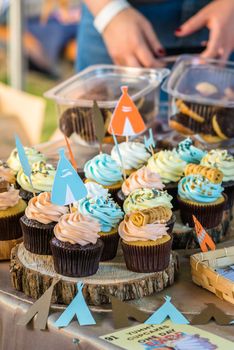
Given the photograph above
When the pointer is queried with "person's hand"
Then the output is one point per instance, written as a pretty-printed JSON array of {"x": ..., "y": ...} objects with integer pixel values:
[
  {"x": 218, "y": 17},
  {"x": 131, "y": 41}
]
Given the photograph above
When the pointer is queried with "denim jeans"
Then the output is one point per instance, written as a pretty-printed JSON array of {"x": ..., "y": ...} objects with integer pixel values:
[{"x": 164, "y": 16}]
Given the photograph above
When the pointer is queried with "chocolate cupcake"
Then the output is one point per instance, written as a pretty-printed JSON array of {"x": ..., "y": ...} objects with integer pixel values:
[
  {"x": 200, "y": 197},
  {"x": 142, "y": 178},
  {"x": 38, "y": 223},
  {"x": 108, "y": 214},
  {"x": 76, "y": 247},
  {"x": 42, "y": 179},
  {"x": 223, "y": 161},
  {"x": 12, "y": 208},
  {"x": 145, "y": 243}
]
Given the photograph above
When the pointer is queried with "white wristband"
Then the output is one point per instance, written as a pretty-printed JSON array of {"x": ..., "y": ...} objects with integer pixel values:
[{"x": 109, "y": 11}]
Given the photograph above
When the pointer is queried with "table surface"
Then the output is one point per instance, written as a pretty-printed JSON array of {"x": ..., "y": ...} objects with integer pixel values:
[{"x": 189, "y": 298}]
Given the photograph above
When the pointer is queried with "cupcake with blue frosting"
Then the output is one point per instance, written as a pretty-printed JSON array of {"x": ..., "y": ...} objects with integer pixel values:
[
  {"x": 202, "y": 198},
  {"x": 108, "y": 214},
  {"x": 189, "y": 153},
  {"x": 104, "y": 170}
]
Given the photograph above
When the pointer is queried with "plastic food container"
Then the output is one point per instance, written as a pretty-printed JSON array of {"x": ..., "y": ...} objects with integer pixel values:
[
  {"x": 201, "y": 98},
  {"x": 75, "y": 96}
]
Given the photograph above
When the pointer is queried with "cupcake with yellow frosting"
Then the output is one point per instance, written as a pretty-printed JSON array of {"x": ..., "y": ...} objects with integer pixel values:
[
  {"x": 170, "y": 167},
  {"x": 38, "y": 223},
  {"x": 7, "y": 173},
  {"x": 223, "y": 161},
  {"x": 12, "y": 207},
  {"x": 108, "y": 214},
  {"x": 201, "y": 197},
  {"x": 142, "y": 178},
  {"x": 42, "y": 179},
  {"x": 32, "y": 154},
  {"x": 76, "y": 247},
  {"x": 104, "y": 170},
  {"x": 145, "y": 242},
  {"x": 134, "y": 155},
  {"x": 146, "y": 198}
]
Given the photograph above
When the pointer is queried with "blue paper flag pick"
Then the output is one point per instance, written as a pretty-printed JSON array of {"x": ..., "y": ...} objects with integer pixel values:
[
  {"x": 167, "y": 310},
  {"x": 68, "y": 186},
  {"x": 149, "y": 141},
  {"x": 23, "y": 158},
  {"x": 78, "y": 308}
]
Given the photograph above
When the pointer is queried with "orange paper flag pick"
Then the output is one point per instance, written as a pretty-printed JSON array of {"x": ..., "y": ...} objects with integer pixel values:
[
  {"x": 204, "y": 239},
  {"x": 71, "y": 156},
  {"x": 126, "y": 119}
]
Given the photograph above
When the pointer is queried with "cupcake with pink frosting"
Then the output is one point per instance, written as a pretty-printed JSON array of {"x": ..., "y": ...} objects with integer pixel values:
[
  {"x": 12, "y": 207},
  {"x": 142, "y": 178},
  {"x": 38, "y": 223},
  {"x": 76, "y": 247},
  {"x": 145, "y": 240}
]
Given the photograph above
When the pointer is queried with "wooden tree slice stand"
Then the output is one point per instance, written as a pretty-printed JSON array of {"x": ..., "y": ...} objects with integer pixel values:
[{"x": 32, "y": 274}]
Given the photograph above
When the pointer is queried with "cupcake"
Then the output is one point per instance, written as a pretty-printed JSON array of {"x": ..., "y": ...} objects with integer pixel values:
[
  {"x": 76, "y": 247},
  {"x": 12, "y": 207},
  {"x": 146, "y": 198},
  {"x": 95, "y": 190},
  {"x": 189, "y": 153},
  {"x": 7, "y": 173},
  {"x": 32, "y": 154},
  {"x": 223, "y": 161},
  {"x": 170, "y": 167},
  {"x": 200, "y": 197},
  {"x": 42, "y": 179},
  {"x": 146, "y": 244},
  {"x": 38, "y": 223},
  {"x": 108, "y": 214},
  {"x": 142, "y": 178},
  {"x": 105, "y": 171},
  {"x": 134, "y": 155}
]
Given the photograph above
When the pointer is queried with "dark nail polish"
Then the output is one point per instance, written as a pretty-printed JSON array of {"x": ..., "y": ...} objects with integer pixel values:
[
  {"x": 178, "y": 30},
  {"x": 162, "y": 52}
]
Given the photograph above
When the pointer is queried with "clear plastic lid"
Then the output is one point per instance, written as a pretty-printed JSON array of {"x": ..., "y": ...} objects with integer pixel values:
[
  {"x": 102, "y": 83},
  {"x": 203, "y": 81}
]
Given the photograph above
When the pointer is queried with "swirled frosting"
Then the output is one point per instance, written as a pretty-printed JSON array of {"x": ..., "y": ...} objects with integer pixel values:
[
  {"x": 146, "y": 198},
  {"x": 7, "y": 173},
  {"x": 9, "y": 198},
  {"x": 76, "y": 228},
  {"x": 142, "y": 178},
  {"x": 103, "y": 169},
  {"x": 95, "y": 190},
  {"x": 32, "y": 154},
  {"x": 105, "y": 210},
  {"x": 188, "y": 152},
  {"x": 168, "y": 165},
  {"x": 42, "y": 210},
  {"x": 134, "y": 155},
  {"x": 222, "y": 160},
  {"x": 42, "y": 178},
  {"x": 130, "y": 233},
  {"x": 199, "y": 189}
]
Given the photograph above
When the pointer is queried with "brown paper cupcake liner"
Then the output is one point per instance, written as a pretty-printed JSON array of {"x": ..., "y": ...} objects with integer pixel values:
[
  {"x": 37, "y": 236},
  {"x": 229, "y": 191},
  {"x": 110, "y": 242},
  {"x": 10, "y": 227},
  {"x": 120, "y": 198},
  {"x": 170, "y": 224},
  {"x": 25, "y": 195},
  {"x": 74, "y": 260},
  {"x": 146, "y": 259},
  {"x": 209, "y": 215},
  {"x": 172, "y": 190}
]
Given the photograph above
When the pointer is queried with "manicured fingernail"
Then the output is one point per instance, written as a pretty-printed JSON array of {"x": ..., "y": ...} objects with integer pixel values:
[
  {"x": 162, "y": 52},
  {"x": 178, "y": 30}
]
